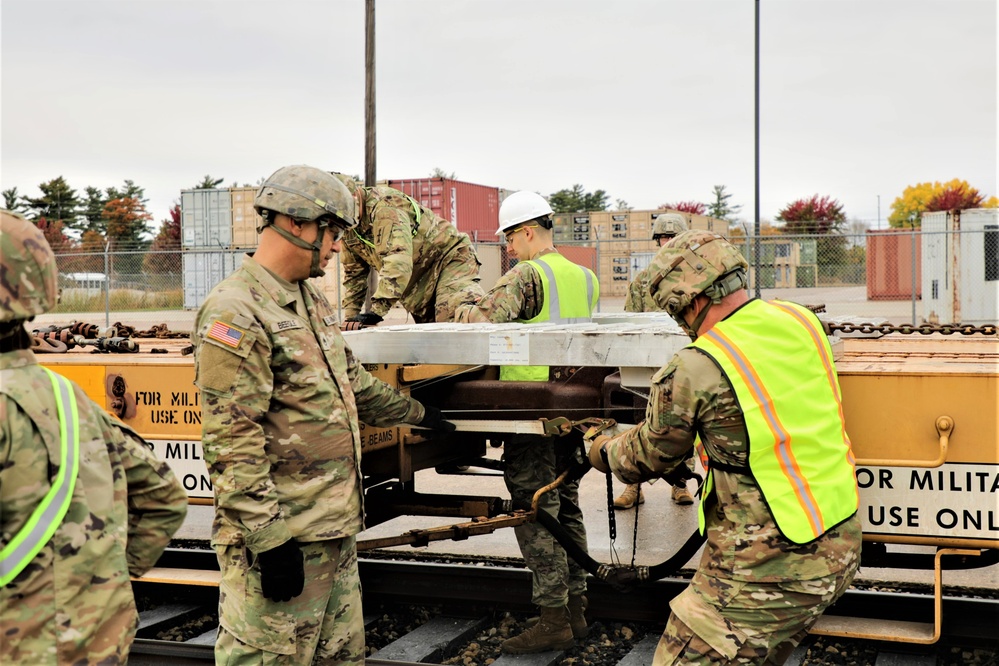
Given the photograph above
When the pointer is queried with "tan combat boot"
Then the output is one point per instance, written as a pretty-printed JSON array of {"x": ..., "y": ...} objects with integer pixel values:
[
  {"x": 577, "y": 618},
  {"x": 682, "y": 496},
  {"x": 552, "y": 632},
  {"x": 631, "y": 496}
]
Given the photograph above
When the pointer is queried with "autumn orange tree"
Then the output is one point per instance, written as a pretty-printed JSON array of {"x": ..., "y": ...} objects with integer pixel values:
[
  {"x": 127, "y": 218},
  {"x": 163, "y": 257},
  {"x": 907, "y": 210}
]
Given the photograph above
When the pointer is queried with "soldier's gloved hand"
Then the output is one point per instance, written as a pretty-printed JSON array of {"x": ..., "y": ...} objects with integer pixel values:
[
  {"x": 282, "y": 571},
  {"x": 577, "y": 464},
  {"x": 598, "y": 460},
  {"x": 433, "y": 420},
  {"x": 351, "y": 325},
  {"x": 366, "y": 319}
]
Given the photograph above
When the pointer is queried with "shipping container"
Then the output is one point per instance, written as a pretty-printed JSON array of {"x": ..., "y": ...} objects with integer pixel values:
[
  {"x": 245, "y": 219},
  {"x": 206, "y": 219},
  {"x": 640, "y": 224},
  {"x": 960, "y": 266},
  {"x": 203, "y": 270},
  {"x": 584, "y": 256},
  {"x": 472, "y": 208},
  {"x": 893, "y": 265}
]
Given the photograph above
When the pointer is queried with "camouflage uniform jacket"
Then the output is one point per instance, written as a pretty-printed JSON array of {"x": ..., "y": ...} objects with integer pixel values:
[
  {"x": 639, "y": 299},
  {"x": 407, "y": 256},
  {"x": 691, "y": 395},
  {"x": 73, "y": 603},
  {"x": 281, "y": 398},
  {"x": 517, "y": 296}
]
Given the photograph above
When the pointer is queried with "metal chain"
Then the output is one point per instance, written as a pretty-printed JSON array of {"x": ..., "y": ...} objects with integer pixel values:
[{"x": 908, "y": 329}]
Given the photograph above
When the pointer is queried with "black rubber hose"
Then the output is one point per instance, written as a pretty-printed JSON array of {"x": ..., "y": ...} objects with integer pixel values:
[{"x": 620, "y": 576}]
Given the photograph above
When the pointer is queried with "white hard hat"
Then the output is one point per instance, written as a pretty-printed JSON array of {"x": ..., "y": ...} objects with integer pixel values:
[{"x": 521, "y": 207}]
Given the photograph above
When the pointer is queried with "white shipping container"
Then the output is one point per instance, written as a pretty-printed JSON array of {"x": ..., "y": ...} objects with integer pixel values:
[
  {"x": 960, "y": 267},
  {"x": 206, "y": 219},
  {"x": 204, "y": 270}
]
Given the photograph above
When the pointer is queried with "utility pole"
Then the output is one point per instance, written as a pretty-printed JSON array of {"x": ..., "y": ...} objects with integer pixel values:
[
  {"x": 369, "y": 93},
  {"x": 370, "y": 172},
  {"x": 756, "y": 120}
]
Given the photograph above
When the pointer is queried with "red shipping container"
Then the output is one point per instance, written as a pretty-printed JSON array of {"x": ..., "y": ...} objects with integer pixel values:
[
  {"x": 584, "y": 256},
  {"x": 472, "y": 208},
  {"x": 889, "y": 265}
]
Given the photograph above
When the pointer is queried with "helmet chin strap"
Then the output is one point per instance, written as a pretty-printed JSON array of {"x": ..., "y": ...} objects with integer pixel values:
[
  {"x": 691, "y": 329},
  {"x": 316, "y": 247},
  {"x": 725, "y": 285}
]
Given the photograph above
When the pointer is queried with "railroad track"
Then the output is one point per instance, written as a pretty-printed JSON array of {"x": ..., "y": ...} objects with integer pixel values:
[{"x": 454, "y": 610}]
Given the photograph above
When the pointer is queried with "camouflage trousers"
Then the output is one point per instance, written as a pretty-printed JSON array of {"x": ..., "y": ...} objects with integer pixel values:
[
  {"x": 530, "y": 465},
  {"x": 719, "y": 621},
  {"x": 454, "y": 281},
  {"x": 323, "y": 625}
]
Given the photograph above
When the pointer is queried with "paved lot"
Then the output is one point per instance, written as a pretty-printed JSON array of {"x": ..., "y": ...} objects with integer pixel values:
[{"x": 838, "y": 301}]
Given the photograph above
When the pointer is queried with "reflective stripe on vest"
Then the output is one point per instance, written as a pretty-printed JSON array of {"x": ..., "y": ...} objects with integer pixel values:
[
  {"x": 48, "y": 515},
  {"x": 781, "y": 367},
  {"x": 564, "y": 303}
]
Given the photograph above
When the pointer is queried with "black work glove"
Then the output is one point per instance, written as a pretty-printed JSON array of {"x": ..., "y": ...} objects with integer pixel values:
[
  {"x": 576, "y": 463},
  {"x": 433, "y": 420},
  {"x": 282, "y": 571},
  {"x": 366, "y": 319}
]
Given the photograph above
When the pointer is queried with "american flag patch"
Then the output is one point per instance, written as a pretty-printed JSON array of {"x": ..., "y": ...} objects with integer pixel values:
[{"x": 226, "y": 334}]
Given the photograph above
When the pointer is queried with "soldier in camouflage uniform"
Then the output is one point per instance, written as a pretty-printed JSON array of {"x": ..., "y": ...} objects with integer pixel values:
[
  {"x": 777, "y": 554},
  {"x": 559, "y": 583},
  {"x": 664, "y": 229},
  {"x": 423, "y": 261},
  {"x": 65, "y": 594},
  {"x": 282, "y": 394}
]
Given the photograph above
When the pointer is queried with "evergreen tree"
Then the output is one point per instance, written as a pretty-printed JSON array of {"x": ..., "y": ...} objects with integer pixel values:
[
  {"x": 209, "y": 183},
  {"x": 58, "y": 202},
  {"x": 93, "y": 210},
  {"x": 720, "y": 208},
  {"x": 13, "y": 201},
  {"x": 577, "y": 199},
  {"x": 129, "y": 191}
]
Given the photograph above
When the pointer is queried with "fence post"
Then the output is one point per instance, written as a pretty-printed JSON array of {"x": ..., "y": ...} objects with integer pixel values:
[
  {"x": 912, "y": 272},
  {"x": 597, "y": 236},
  {"x": 107, "y": 284}
]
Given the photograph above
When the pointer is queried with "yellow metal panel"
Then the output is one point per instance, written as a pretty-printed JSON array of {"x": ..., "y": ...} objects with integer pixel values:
[
  {"x": 89, "y": 377},
  {"x": 894, "y": 415},
  {"x": 167, "y": 403}
]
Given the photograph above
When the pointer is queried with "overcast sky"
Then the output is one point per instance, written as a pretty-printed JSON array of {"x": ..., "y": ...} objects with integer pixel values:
[{"x": 651, "y": 101}]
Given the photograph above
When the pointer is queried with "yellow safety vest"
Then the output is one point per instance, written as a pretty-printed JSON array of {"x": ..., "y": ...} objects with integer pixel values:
[
  {"x": 571, "y": 293},
  {"x": 48, "y": 515},
  {"x": 780, "y": 365}
]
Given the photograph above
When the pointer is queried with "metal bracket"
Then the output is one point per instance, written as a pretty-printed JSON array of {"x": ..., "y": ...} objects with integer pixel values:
[{"x": 922, "y": 633}]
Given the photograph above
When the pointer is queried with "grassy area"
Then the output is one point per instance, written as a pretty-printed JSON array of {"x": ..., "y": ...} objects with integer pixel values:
[{"x": 81, "y": 300}]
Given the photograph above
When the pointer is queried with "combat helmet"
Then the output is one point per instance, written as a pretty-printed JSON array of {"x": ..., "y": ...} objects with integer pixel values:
[
  {"x": 695, "y": 262},
  {"x": 306, "y": 194},
  {"x": 29, "y": 278},
  {"x": 668, "y": 225}
]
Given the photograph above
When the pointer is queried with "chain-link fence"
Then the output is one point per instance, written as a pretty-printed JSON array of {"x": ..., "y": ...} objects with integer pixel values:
[{"x": 909, "y": 276}]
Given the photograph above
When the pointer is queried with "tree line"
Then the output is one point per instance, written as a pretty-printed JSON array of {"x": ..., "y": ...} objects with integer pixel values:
[{"x": 81, "y": 226}]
